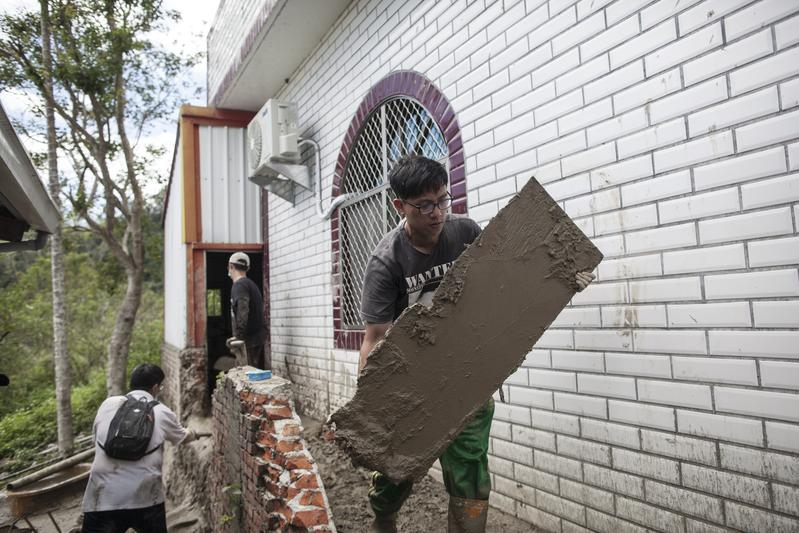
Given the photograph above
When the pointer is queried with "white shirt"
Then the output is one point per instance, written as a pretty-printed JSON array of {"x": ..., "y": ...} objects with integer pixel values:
[{"x": 116, "y": 484}]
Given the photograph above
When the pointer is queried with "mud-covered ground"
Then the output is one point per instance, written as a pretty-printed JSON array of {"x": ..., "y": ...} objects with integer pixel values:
[{"x": 346, "y": 486}]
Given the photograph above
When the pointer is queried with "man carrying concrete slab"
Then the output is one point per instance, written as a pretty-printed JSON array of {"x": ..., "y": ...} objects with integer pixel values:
[{"x": 406, "y": 267}]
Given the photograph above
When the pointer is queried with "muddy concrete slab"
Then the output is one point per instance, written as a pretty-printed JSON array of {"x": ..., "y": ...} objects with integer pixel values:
[{"x": 437, "y": 365}]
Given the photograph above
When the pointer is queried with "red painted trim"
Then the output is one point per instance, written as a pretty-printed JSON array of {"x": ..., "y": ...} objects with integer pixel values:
[{"x": 402, "y": 83}]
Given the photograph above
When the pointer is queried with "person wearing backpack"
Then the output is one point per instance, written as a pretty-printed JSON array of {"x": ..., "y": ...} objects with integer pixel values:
[{"x": 125, "y": 489}]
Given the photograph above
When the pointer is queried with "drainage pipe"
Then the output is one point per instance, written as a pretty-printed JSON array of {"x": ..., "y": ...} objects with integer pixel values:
[
  {"x": 323, "y": 213},
  {"x": 52, "y": 469}
]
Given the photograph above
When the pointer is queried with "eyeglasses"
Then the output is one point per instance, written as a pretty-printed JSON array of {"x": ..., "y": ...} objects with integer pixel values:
[{"x": 427, "y": 208}]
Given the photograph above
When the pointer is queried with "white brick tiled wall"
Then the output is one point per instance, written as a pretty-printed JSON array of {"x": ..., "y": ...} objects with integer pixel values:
[{"x": 669, "y": 131}]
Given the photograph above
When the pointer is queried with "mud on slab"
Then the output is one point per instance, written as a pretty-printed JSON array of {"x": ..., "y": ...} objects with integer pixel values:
[{"x": 437, "y": 365}]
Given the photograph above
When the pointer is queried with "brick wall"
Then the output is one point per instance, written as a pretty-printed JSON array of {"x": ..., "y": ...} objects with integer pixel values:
[
  {"x": 185, "y": 385},
  {"x": 262, "y": 476},
  {"x": 664, "y": 396}
]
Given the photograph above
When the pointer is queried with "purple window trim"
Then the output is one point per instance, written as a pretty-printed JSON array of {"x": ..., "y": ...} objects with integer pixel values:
[{"x": 397, "y": 84}]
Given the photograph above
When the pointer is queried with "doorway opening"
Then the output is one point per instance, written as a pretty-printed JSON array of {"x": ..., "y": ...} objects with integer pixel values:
[{"x": 218, "y": 319}]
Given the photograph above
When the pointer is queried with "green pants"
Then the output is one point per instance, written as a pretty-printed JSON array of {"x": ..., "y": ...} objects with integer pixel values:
[{"x": 464, "y": 463}]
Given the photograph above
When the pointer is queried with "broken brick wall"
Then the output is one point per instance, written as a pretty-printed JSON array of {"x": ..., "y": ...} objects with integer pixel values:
[
  {"x": 185, "y": 381},
  {"x": 262, "y": 478}
]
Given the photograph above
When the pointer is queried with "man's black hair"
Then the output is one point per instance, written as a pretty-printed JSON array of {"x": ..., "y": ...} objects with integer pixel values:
[
  {"x": 240, "y": 268},
  {"x": 146, "y": 376},
  {"x": 414, "y": 175}
]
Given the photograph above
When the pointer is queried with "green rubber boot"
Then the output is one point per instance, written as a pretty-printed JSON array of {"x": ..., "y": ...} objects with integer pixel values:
[{"x": 467, "y": 516}]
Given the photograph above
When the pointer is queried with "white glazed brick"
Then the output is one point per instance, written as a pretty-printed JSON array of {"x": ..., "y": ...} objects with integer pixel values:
[
  {"x": 578, "y": 317},
  {"x": 588, "y": 159},
  {"x": 652, "y": 316},
  {"x": 533, "y": 515},
  {"x": 754, "y": 520},
  {"x": 770, "y": 192},
  {"x": 741, "y": 168},
  {"x": 782, "y": 344},
  {"x": 617, "y": 127},
  {"x": 764, "y": 284},
  {"x": 651, "y": 138},
  {"x": 593, "y": 203},
  {"x": 787, "y": 32},
  {"x": 748, "y": 226},
  {"x": 519, "y": 377},
  {"x": 664, "y": 238},
  {"x": 642, "y": 414},
  {"x": 495, "y": 154},
  {"x": 496, "y": 465},
  {"x": 699, "y": 205},
  {"x": 735, "y": 111},
  {"x": 531, "y": 100},
  {"x": 571, "y": 360},
  {"x": 586, "y": 115},
  {"x": 769, "y": 131},
  {"x": 621, "y": 10},
  {"x": 714, "y": 369},
  {"x": 601, "y": 293},
  {"x": 501, "y": 430},
  {"x": 713, "y": 146},
  {"x": 709, "y": 315},
  {"x": 556, "y": 422},
  {"x": 630, "y": 267},
  {"x": 646, "y": 465},
  {"x": 556, "y": 67},
  {"x": 534, "y": 438},
  {"x": 512, "y": 452},
  {"x": 509, "y": 130},
  {"x": 684, "y": 501},
  {"x": 707, "y": 12},
  {"x": 732, "y": 486},
  {"x": 611, "y": 246},
  {"x": 766, "y": 404},
  {"x": 651, "y": 89},
  {"x": 568, "y": 188},
  {"x": 780, "y": 314},
  {"x": 612, "y": 386},
  {"x": 638, "y": 364},
  {"x": 589, "y": 496},
  {"x": 505, "y": 486},
  {"x": 602, "y": 522},
  {"x": 648, "y": 515},
  {"x": 512, "y": 413},
  {"x": 549, "y": 379},
  {"x": 498, "y": 189},
  {"x": 617, "y": 80},
  {"x": 728, "y": 428},
  {"x": 666, "y": 290},
  {"x": 665, "y": 186},
  {"x": 644, "y": 43},
  {"x": 508, "y": 56},
  {"x": 684, "y": 49},
  {"x": 704, "y": 94},
  {"x": 578, "y": 32},
  {"x": 508, "y": 168},
  {"x": 765, "y": 72},
  {"x": 756, "y": 16},
  {"x": 560, "y": 507},
  {"x": 789, "y": 94},
  {"x": 728, "y": 58},
  {"x": 654, "y": 340},
  {"x": 581, "y": 405},
  {"x": 555, "y": 464},
  {"x": 584, "y": 450},
  {"x": 623, "y": 172},
  {"x": 583, "y": 74},
  {"x": 659, "y": 11},
  {"x": 673, "y": 393},
  {"x": 558, "y": 107},
  {"x": 783, "y": 436},
  {"x": 535, "y": 478},
  {"x": 528, "y": 63},
  {"x": 704, "y": 259},
  {"x": 609, "y": 38},
  {"x": 679, "y": 447},
  {"x": 786, "y": 499},
  {"x": 530, "y": 397},
  {"x": 534, "y": 137},
  {"x": 618, "y": 434},
  {"x": 596, "y": 339},
  {"x": 760, "y": 463},
  {"x": 563, "y": 146},
  {"x": 614, "y": 481}
]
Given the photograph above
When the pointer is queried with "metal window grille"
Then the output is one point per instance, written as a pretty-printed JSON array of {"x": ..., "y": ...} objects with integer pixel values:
[{"x": 397, "y": 128}]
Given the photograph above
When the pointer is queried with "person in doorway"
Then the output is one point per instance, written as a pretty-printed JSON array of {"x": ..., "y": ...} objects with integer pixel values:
[
  {"x": 247, "y": 308},
  {"x": 406, "y": 267},
  {"x": 123, "y": 494}
]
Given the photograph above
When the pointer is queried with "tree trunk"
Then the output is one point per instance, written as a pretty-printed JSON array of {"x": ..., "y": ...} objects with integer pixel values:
[
  {"x": 119, "y": 347},
  {"x": 63, "y": 374}
]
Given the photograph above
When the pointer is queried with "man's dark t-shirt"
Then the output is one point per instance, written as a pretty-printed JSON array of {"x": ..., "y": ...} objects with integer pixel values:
[
  {"x": 247, "y": 307},
  {"x": 398, "y": 275}
]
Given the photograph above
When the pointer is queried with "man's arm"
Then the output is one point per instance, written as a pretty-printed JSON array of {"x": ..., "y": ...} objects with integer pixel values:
[
  {"x": 241, "y": 301},
  {"x": 374, "y": 333}
]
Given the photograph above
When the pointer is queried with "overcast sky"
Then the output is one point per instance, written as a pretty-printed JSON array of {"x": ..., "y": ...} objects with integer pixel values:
[{"x": 191, "y": 34}]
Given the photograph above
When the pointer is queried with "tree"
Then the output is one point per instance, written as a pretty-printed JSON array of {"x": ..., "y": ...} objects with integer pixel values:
[
  {"x": 111, "y": 84},
  {"x": 63, "y": 375}
]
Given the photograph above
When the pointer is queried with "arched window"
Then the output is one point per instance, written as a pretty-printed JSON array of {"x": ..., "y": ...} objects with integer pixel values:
[{"x": 402, "y": 115}]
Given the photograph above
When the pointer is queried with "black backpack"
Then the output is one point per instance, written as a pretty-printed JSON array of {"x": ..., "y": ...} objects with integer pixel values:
[{"x": 131, "y": 430}]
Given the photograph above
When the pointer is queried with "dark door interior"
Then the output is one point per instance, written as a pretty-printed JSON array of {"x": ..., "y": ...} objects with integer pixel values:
[{"x": 217, "y": 308}]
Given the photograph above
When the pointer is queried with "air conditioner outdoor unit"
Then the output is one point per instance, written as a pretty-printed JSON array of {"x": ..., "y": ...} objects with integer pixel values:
[{"x": 273, "y": 152}]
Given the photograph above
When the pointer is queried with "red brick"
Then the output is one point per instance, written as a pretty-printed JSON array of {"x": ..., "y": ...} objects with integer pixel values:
[
  {"x": 298, "y": 463},
  {"x": 309, "y": 519},
  {"x": 291, "y": 430},
  {"x": 313, "y": 498},
  {"x": 279, "y": 412},
  {"x": 284, "y": 446},
  {"x": 305, "y": 481},
  {"x": 266, "y": 439}
]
